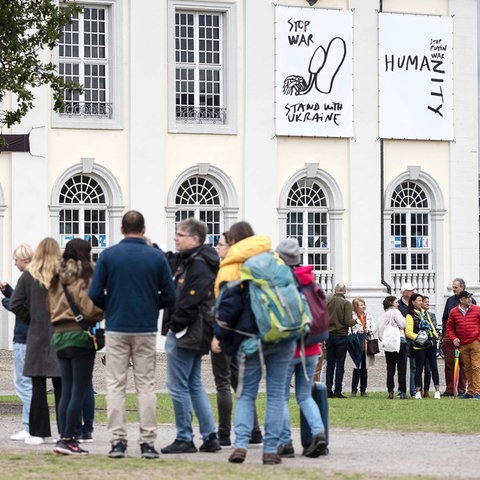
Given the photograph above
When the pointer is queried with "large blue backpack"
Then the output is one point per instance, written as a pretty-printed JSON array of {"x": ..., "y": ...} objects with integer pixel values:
[{"x": 281, "y": 311}]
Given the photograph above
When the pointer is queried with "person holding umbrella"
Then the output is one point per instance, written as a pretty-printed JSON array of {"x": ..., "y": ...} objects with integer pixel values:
[
  {"x": 364, "y": 328},
  {"x": 463, "y": 329}
]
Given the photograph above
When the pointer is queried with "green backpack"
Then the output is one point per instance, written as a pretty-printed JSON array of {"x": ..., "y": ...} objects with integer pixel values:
[{"x": 280, "y": 309}]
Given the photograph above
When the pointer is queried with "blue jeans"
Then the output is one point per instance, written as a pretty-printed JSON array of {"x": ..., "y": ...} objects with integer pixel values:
[
  {"x": 23, "y": 385},
  {"x": 76, "y": 368},
  {"x": 360, "y": 375},
  {"x": 336, "y": 354},
  {"x": 303, "y": 394},
  {"x": 184, "y": 384},
  {"x": 277, "y": 359}
]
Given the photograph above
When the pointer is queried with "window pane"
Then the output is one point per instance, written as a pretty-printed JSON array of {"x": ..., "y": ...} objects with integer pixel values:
[
  {"x": 198, "y": 44},
  {"x": 85, "y": 43}
]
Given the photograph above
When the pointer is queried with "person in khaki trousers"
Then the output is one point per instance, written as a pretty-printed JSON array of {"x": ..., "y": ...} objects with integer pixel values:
[{"x": 132, "y": 281}]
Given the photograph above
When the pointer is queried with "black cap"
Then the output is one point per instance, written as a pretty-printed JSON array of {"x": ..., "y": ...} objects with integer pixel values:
[{"x": 464, "y": 294}]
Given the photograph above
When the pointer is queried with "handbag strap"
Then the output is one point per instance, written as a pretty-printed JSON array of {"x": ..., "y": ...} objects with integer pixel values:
[{"x": 79, "y": 318}]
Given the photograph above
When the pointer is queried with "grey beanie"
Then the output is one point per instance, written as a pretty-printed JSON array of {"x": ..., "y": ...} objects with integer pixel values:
[{"x": 289, "y": 251}]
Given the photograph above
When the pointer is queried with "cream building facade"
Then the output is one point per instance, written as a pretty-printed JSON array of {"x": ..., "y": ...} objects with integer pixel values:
[{"x": 181, "y": 116}]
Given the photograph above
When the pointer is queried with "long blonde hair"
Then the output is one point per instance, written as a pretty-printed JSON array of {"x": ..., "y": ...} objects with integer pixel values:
[{"x": 45, "y": 258}]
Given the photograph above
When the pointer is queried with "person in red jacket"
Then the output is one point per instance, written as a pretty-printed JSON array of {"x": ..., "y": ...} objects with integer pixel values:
[{"x": 463, "y": 329}]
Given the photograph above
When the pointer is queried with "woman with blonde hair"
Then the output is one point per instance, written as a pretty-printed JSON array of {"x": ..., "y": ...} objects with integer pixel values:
[
  {"x": 22, "y": 255},
  {"x": 365, "y": 326},
  {"x": 29, "y": 301}
]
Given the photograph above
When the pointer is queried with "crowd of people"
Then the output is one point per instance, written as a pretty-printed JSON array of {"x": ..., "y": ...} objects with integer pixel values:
[{"x": 61, "y": 297}]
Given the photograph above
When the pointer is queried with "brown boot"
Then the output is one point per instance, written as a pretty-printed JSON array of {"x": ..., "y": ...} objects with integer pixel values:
[
  {"x": 425, "y": 394},
  {"x": 271, "y": 459},
  {"x": 238, "y": 455}
]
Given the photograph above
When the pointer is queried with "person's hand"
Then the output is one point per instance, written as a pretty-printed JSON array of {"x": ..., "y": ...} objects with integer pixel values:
[
  {"x": 456, "y": 342},
  {"x": 215, "y": 345},
  {"x": 3, "y": 285}
]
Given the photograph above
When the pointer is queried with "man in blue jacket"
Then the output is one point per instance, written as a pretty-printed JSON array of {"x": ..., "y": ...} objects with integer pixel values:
[{"x": 131, "y": 283}]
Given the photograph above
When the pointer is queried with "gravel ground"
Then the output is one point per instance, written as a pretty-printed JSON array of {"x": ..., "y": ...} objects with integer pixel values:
[{"x": 372, "y": 453}]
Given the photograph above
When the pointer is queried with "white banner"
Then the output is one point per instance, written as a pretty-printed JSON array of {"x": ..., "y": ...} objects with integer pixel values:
[
  {"x": 415, "y": 64},
  {"x": 313, "y": 77}
]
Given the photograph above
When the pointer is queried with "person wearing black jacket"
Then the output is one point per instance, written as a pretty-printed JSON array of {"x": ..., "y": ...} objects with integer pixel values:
[
  {"x": 22, "y": 255},
  {"x": 188, "y": 326}
]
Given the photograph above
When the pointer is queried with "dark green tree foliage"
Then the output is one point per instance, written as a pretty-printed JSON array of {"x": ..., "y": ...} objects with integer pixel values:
[{"x": 26, "y": 28}]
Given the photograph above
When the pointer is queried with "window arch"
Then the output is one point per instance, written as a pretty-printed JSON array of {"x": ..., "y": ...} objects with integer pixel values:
[
  {"x": 311, "y": 210},
  {"x": 206, "y": 193},
  {"x": 410, "y": 228},
  {"x": 86, "y": 202},
  {"x": 83, "y": 213},
  {"x": 199, "y": 198},
  {"x": 307, "y": 221}
]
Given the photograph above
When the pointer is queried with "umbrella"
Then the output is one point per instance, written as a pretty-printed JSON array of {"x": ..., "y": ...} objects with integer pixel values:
[
  {"x": 456, "y": 371},
  {"x": 355, "y": 348}
]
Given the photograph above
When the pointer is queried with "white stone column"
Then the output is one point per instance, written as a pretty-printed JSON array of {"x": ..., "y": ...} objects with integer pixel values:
[
  {"x": 148, "y": 106},
  {"x": 463, "y": 211},
  {"x": 364, "y": 205},
  {"x": 260, "y": 173}
]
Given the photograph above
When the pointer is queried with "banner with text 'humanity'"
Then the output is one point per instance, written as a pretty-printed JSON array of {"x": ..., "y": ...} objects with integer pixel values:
[{"x": 415, "y": 63}]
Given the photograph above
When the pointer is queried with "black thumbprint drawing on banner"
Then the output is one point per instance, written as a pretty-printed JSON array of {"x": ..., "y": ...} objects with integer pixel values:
[{"x": 323, "y": 68}]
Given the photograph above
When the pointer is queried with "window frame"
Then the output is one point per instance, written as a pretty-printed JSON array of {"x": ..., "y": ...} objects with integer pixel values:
[
  {"x": 81, "y": 208},
  {"x": 306, "y": 226},
  {"x": 409, "y": 251},
  {"x": 228, "y": 82},
  {"x": 201, "y": 210},
  {"x": 114, "y": 74}
]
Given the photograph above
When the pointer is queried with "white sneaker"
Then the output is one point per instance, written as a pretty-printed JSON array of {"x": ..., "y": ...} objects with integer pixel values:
[
  {"x": 22, "y": 435},
  {"x": 436, "y": 395},
  {"x": 418, "y": 396},
  {"x": 31, "y": 440}
]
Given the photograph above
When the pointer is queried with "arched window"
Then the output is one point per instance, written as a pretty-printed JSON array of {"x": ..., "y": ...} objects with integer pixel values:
[
  {"x": 308, "y": 222},
  {"x": 199, "y": 198},
  {"x": 83, "y": 212},
  {"x": 410, "y": 228}
]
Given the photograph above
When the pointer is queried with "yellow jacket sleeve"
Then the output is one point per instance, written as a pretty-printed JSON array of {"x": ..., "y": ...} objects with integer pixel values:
[{"x": 409, "y": 333}]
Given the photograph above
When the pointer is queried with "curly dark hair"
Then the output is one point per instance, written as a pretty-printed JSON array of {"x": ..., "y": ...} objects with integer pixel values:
[{"x": 80, "y": 251}]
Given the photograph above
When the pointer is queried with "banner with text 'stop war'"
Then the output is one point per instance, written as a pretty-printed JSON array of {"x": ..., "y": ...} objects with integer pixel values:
[
  {"x": 415, "y": 65},
  {"x": 313, "y": 72}
]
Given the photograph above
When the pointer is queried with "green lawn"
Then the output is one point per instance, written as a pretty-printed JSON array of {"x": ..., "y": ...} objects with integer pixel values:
[{"x": 447, "y": 415}]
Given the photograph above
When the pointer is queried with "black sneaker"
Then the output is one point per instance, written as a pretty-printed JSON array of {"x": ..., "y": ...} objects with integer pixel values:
[
  {"x": 225, "y": 442},
  {"x": 256, "y": 438},
  {"x": 118, "y": 450},
  {"x": 317, "y": 447},
  {"x": 86, "y": 438},
  {"x": 286, "y": 450},
  {"x": 180, "y": 446},
  {"x": 69, "y": 447},
  {"x": 338, "y": 395},
  {"x": 148, "y": 451},
  {"x": 211, "y": 444}
]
